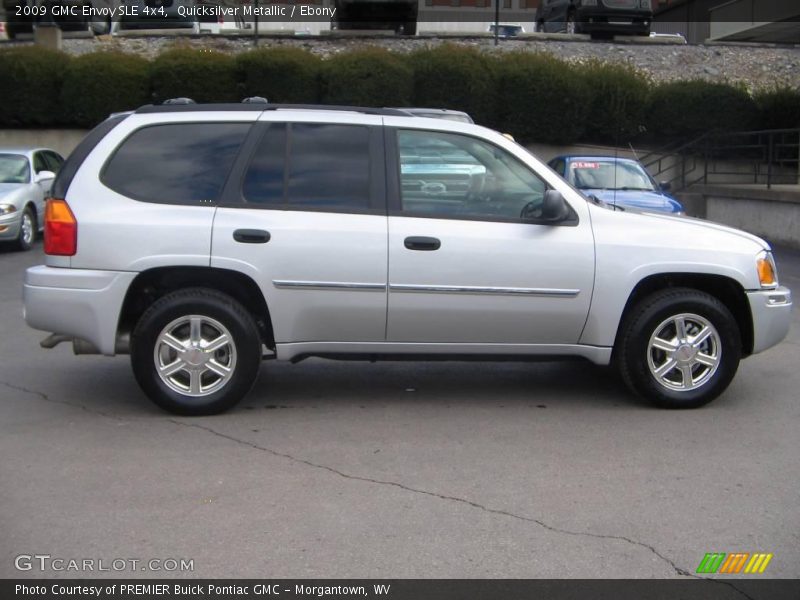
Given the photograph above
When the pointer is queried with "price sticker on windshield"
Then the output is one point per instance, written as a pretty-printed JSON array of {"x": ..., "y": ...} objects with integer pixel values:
[{"x": 585, "y": 165}]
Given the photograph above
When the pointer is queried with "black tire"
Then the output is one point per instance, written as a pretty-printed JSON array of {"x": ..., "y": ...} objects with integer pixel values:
[
  {"x": 635, "y": 356},
  {"x": 26, "y": 238},
  {"x": 242, "y": 355}
]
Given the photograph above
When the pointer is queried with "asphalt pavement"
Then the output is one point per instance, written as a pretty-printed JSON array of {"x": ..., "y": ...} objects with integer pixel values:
[{"x": 349, "y": 469}]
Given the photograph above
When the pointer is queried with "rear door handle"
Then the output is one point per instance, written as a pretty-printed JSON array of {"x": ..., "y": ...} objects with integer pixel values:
[
  {"x": 422, "y": 243},
  {"x": 251, "y": 236}
]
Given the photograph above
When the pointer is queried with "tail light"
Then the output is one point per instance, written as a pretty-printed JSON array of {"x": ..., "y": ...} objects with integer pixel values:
[{"x": 60, "y": 229}]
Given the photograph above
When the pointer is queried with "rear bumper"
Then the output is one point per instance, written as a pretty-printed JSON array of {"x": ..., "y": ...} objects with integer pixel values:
[
  {"x": 591, "y": 19},
  {"x": 80, "y": 303},
  {"x": 772, "y": 314}
]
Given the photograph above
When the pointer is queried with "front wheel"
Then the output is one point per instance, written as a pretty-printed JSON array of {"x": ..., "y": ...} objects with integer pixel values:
[
  {"x": 680, "y": 348},
  {"x": 27, "y": 230},
  {"x": 196, "y": 352}
]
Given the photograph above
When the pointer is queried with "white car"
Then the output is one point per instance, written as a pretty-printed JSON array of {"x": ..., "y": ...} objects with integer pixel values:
[
  {"x": 201, "y": 239},
  {"x": 26, "y": 175}
]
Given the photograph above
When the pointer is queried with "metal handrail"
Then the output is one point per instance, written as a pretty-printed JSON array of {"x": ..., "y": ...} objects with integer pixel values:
[{"x": 757, "y": 150}]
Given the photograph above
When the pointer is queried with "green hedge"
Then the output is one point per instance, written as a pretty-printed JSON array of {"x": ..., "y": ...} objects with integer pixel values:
[
  {"x": 284, "y": 75},
  {"x": 101, "y": 83},
  {"x": 540, "y": 99},
  {"x": 367, "y": 77},
  {"x": 618, "y": 102},
  {"x": 534, "y": 96},
  {"x": 778, "y": 108},
  {"x": 30, "y": 80},
  {"x": 687, "y": 109},
  {"x": 203, "y": 76},
  {"x": 454, "y": 77}
]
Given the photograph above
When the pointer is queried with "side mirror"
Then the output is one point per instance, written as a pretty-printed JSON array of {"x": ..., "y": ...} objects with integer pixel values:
[
  {"x": 44, "y": 176},
  {"x": 552, "y": 210},
  {"x": 665, "y": 186}
]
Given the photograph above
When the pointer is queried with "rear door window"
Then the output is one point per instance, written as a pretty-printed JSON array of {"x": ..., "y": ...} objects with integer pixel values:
[
  {"x": 312, "y": 166},
  {"x": 175, "y": 163}
]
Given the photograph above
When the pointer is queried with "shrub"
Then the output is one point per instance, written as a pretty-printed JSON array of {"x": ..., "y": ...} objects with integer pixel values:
[
  {"x": 454, "y": 77},
  {"x": 618, "y": 101},
  {"x": 541, "y": 99},
  {"x": 100, "y": 83},
  {"x": 288, "y": 75},
  {"x": 367, "y": 77},
  {"x": 688, "y": 109},
  {"x": 203, "y": 76},
  {"x": 779, "y": 108},
  {"x": 31, "y": 79}
]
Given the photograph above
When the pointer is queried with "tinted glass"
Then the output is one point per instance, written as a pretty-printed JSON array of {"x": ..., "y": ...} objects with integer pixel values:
[
  {"x": 329, "y": 166},
  {"x": 39, "y": 164},
  {"x": 264, "y": 180},
  {"x": 175, "y": 163},
  {"x": 14, "y": 168},
  {"x": 448, "y": 175},
  {"x": 54, "y": 161}
]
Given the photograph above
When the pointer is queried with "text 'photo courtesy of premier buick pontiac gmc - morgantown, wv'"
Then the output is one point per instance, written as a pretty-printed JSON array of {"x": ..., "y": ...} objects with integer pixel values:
[{"x": 201, "y": 239}]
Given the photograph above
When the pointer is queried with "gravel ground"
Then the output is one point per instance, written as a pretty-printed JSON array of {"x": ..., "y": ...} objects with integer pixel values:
[{"x": 758, "y": 66}]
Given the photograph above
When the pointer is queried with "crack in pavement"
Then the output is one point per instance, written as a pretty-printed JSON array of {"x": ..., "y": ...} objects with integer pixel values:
[
  {"x": 46, "y": 398},
  {"x": 678, "y": 570}
]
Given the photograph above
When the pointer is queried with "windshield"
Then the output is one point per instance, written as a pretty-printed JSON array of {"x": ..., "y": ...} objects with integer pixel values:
[
  {"x": 609, "y": 175},
  {"x": 14, "y": 168}
]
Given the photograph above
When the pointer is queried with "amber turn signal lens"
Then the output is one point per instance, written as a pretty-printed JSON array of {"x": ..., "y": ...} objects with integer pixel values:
[
  {"x": 60, "y": 229},
  {"x": 766, "y": 273}
]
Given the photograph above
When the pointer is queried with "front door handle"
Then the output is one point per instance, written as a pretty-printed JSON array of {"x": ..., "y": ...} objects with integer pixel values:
[
  {"x": 422, "y": 243},
  {"x": 251, "y": 236}
]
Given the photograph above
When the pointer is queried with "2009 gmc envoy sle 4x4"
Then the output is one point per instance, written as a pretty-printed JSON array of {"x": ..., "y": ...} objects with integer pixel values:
[{"x": 203, "y": 238}]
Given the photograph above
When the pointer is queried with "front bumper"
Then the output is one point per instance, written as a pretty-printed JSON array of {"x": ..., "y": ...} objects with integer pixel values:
[
  {"x": 9, "y": 226},
  {"x": 80, "y": 303},
  {"x": 772, "y": 314}
]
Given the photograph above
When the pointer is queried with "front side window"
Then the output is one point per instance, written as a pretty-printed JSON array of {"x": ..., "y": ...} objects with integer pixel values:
[
  {"x": 449, "y": 175},
  {"x": 176, "y": 163},
  {"x": 311, "y": 166},
  {"x": 39, "y": 164},
  {"x": 54, "y": 161},
  {"x": 14, "y": 168}
]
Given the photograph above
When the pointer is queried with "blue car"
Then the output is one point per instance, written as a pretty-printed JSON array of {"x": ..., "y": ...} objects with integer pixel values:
[{"x": 620, "y": 182}]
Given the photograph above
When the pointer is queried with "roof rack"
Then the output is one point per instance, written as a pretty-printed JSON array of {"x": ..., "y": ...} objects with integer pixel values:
[
  {"x": 255, "y": 105},
  {"x": 179, "y": 101}
]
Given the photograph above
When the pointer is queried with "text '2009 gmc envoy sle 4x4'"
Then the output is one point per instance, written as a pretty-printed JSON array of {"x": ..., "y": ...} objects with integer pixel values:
[{"x": 203, "y": 238}]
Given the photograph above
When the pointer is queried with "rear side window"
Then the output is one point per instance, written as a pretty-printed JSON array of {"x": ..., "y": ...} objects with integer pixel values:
[
  {"x": 176, "y": 163},
  {"x": 312, "y": 166}
]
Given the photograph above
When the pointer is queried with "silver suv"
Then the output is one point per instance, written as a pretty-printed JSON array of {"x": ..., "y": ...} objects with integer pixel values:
[{"x": 203, "y": 239}]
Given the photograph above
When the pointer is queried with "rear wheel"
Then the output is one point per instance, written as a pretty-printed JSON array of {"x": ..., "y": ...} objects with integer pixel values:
[
  {"x": 196, "y": 352},
  {"x": 680, "y": 348}
]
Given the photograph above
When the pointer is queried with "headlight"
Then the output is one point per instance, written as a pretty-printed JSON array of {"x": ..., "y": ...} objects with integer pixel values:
[
  {"x": 767, "y": 271},
  {"x": 7, "y": 209},
  {"x": 646, "y": 4}
]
